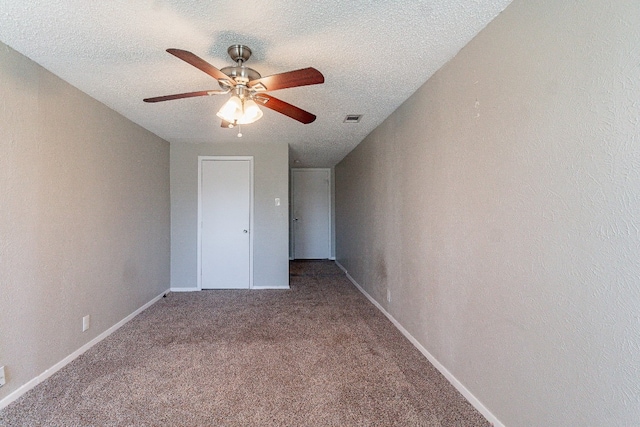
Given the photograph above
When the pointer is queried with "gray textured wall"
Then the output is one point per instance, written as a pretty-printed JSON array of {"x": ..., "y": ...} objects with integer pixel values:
[
  {"x": 500, "y": 205},
  {"x": 84, "y": 218},
  {"x": 271, "y": 223}
]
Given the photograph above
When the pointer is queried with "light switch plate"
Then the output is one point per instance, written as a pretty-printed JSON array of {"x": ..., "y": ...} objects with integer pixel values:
[{"x": 2, "y": 378}]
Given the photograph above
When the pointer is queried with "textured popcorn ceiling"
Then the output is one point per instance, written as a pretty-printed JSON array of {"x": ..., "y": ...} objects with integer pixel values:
[{"x": 373, "y": 54}]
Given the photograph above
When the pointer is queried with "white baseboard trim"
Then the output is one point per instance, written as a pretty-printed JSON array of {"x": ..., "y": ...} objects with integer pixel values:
[
  {"x": 448, "y": 375},
  {"x": 184, "y": 289},
  {"x": 344, "y": 270},
  {"x": 254, "y": 288},
  {"x": 61, "y": 364}
]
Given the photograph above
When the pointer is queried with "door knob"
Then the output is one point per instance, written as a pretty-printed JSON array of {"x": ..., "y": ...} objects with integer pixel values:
[
  {"x": 245, "y": 231},
  {"x": 295, "y": 219}
]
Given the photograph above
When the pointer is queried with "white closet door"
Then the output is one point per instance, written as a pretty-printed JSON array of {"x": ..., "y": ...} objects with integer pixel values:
[
  {"x": 311, "y": 213},
  {"x": 225, "y": 209}
]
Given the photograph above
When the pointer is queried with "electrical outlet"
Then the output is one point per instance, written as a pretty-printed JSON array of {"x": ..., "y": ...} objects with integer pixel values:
[
  {"x": 2, "y": 378},
  {"x": 86, "y": 322}
]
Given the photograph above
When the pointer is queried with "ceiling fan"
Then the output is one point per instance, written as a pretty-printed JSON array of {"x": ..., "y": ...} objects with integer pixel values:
[{"x": 247, "y": 87}]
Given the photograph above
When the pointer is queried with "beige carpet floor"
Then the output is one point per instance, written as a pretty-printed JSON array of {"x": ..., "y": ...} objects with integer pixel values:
[{"x": 317, "y": 355}]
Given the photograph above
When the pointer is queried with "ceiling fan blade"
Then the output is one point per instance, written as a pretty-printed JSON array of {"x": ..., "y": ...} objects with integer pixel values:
[
  {"x": 201, "y": 64},
  {"x": 302, "y": 77},
  {"x": 285, "y": 108},
  {"x": 185, "y": 95}
]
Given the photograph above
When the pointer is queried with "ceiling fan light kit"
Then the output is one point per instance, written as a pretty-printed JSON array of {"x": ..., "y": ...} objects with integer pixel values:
[
  {"x": 240, "y": 111},
  {"x": 251, "y": 112},
  {"x": 231, "y": 110},
  {"x": 247, "y": 86}
]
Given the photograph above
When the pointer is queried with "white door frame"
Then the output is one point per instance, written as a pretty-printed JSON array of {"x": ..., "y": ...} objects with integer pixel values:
[
  {"x": 292, "y": 213},
  {"x": 205, "y": 158}
]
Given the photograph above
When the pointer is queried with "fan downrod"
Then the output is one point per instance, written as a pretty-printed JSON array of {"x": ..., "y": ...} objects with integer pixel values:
[{"x": 239, "y": 72}]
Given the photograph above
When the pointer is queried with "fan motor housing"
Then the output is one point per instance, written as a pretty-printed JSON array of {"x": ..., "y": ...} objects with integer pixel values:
[{"x": 240, "y": 73}]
